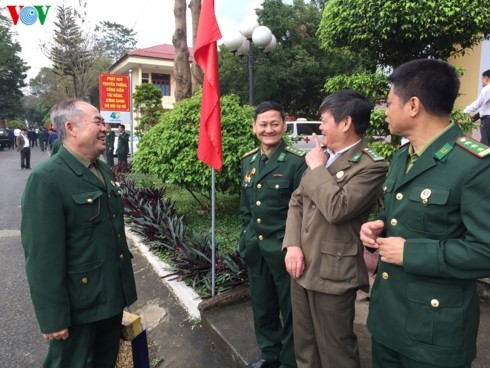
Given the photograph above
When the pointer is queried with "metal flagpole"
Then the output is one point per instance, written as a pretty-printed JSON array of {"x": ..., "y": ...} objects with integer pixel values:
[{"x": 213, "y": 230}]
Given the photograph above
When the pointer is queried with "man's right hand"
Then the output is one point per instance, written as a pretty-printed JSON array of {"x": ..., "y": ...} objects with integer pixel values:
[
  {"x": 316, "y": 157},
  {"x": 370, "y": 232},
  {"x": 59, "y": 335},
  {"x": 295, "y": 261}
]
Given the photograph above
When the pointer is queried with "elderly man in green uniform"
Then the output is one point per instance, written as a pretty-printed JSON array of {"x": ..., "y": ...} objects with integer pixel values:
[
  {"x": 122, "y": 144},
  {"x": 324, "y": 253},
  {"x": 433, "y": 234},
  {"x": 270, "y": 174},
  {"x": 77, "y": 260},
  {"x": 109, "y": 145}
]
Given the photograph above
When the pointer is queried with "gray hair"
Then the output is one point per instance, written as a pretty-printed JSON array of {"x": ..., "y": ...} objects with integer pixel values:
[{"x": 63, "y": 111}]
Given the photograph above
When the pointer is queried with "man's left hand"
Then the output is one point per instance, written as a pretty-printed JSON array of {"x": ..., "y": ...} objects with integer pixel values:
[{"x": 391, "y": 249}]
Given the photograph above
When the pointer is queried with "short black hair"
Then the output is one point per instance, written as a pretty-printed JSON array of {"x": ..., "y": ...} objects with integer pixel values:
[
  {"x": 351, "y": 103},
  {"x": 122, "y": 125},
  {"x": 486, "y": 73},
  {"x": 269, "y": 105},
  {"x": 434, "y": 82}
]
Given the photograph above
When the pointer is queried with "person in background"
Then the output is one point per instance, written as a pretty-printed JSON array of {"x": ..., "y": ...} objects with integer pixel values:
[
  {"x": 270, "y": 174},
  {"x": 482, "y": 105},
  {"x": 324, "y": 253},
  {"x": 122, "y": 150},
  {"x": 109, "y": 145},
  {"x": 24, "y": 147},
  {"x": 53, "y": 136},
  {"x": 432, "y": 235},
  {"x": 41, "y": 139},
  {"x": 77, "y": 259}
]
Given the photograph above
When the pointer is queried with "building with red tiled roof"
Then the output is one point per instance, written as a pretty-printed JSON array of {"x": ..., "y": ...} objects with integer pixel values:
[{"x": 151, "y": 65}]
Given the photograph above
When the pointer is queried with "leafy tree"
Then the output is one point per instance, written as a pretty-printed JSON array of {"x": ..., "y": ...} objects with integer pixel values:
[
  {"x": 12, "y": 73},
  {"x": 147, "y": 100},
  {"x": 399, "y": 31},
  {"x": 295, "y": 72},
  {"x": 117, "y": 39},
  {"x": 32, "y": 111},
  {"x": 169, "y": 150},
  {"x": 71, "y": 51}
]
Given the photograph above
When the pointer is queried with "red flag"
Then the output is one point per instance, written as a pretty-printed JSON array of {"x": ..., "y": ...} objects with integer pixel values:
[{"x": 206, "y": 55}]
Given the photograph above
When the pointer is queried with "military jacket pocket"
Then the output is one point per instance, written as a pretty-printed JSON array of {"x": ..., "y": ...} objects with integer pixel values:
[
  {"x": 86, "y": 285},
  {"x": 278, "y": 192},
  {"x": 428, "y": 210},
  {"x": 339, "y": 261},
  {"x": 88, "y": 207},
  {"x": 435, "y": 314}
]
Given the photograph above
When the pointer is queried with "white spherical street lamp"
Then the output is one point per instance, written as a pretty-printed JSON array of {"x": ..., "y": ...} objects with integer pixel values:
[{"x": 241, "y": 43}]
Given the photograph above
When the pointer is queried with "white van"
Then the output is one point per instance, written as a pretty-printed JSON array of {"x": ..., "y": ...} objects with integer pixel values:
[{"x": 305, "y": 129}]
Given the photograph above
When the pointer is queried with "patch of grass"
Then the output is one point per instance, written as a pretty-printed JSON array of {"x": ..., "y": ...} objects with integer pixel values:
[{"x": 198, "y": 220}]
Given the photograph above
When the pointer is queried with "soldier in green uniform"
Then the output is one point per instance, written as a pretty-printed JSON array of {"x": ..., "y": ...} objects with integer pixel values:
[
  {"x": 77, "y": 260},
  {"x": 109, "y": 145},
  {"x": 122, "y": 144},
  {"x": 433, "y": 234},
  {"x": 270, "y": 174}
]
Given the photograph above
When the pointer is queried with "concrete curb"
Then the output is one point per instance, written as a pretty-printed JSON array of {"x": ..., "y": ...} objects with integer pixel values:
[{"x": 187, "y": 297}]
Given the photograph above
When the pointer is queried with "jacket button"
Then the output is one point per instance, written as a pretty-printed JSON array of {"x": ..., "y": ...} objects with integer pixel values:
[
  {"x": 84, "y": 280},
  {"x": 90, "y": 200},
  {"x": 259, "y": 186},
  {"x": 434, "y": 303},
  {"x": 261, "y": 237},
  {"x": 394, "y": 222},
  {"x": 276, "y": 186},
  {"x": 121, "y": 256},
  {"x": 259, "y": 221},
  {"x": 399, "y": 196},
  {"x": 385, "y": 275},
  {"x": 258, "y": 203}
]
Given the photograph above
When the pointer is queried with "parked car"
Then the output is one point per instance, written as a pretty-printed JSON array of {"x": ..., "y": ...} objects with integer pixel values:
[
  {"x": 303, "y": 129},
  {"x": 4, "y": 139}
]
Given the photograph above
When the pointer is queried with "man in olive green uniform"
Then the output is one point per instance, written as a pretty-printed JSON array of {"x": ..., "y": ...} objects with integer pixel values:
[
  {"x": 109, "y": 145},
  {"x": 270, "y": 174},
  {"x": 433, "y": 234},
  {"x": 324, "y": 253},
  {"x": 122, "y": 144},
  {"x": 77, "y": 260}
]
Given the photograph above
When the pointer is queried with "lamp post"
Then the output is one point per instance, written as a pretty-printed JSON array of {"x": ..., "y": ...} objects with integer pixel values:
[{"x": 241, "y": 43}]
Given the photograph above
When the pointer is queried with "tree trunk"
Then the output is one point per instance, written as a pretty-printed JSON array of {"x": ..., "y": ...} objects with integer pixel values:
[
  {"x": 197, "y": 75},
  {"x": 182, "y": 70}
]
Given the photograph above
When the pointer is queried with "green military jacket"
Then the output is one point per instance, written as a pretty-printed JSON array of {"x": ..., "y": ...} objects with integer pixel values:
[
  {"x": 428, "y": 309},
  {"x": 77, "y": 260},
  {"x": 264, "y": 204},
  {"x": 109, "y": 141},
  {"x": 123, "y": 144}
]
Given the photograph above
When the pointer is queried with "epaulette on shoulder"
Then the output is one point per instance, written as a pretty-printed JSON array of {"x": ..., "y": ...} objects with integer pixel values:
[
  {"x": 375, "y": 156},
  {"x": 295, "y": 151},
  {"x": 473, "y": 146},
  {"x": 250, "y": 152}
]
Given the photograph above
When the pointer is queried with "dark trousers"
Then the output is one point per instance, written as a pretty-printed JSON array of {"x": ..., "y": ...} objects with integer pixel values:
[
  {"x": 109, "y": 157},
  {"x": 271, "y": 306},
  {"x": 323, "y": 326},
  {"x": 122, "y": 158},
  {"x": 485, "y": 130},
  {"x": 384, "y": 357},
  {"x": 25, "y": 158},
  {"x": 92, "y": 345}
]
